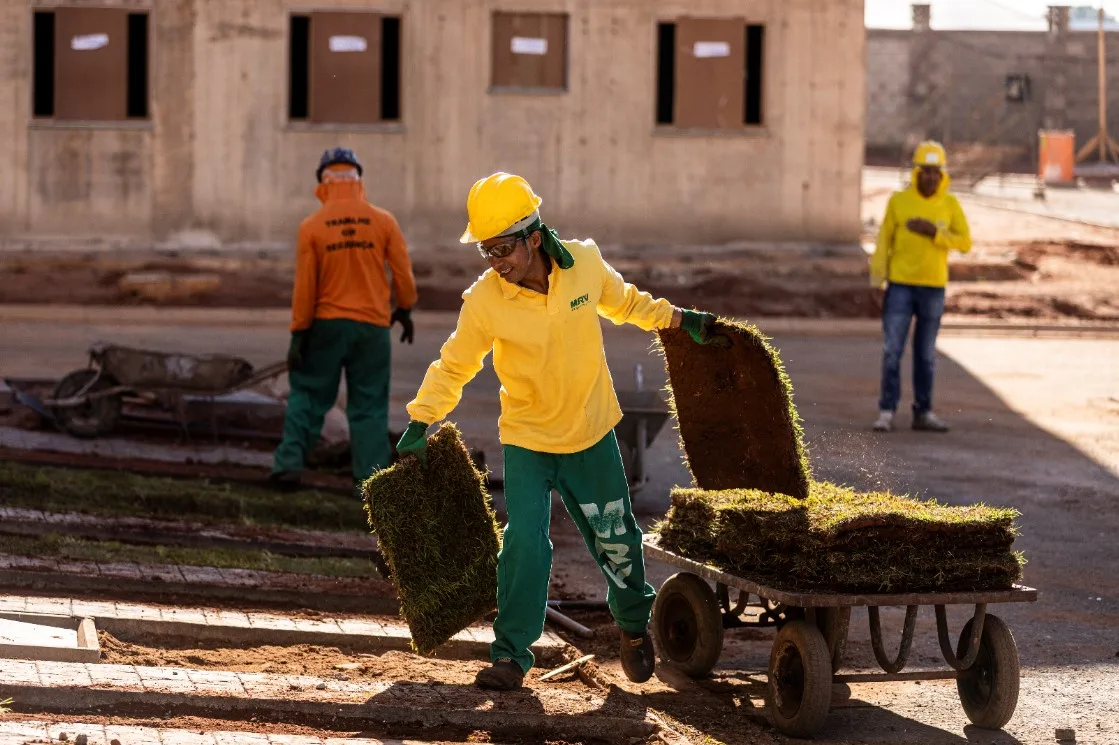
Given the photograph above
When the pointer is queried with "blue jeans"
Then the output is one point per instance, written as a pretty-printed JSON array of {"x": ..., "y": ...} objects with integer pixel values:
[{"x": 902, "y": 303}]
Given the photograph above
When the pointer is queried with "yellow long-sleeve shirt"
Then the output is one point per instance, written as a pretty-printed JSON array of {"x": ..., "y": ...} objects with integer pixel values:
[
  {"x": 557, "y": 395},
  {"x": 905, "y": 257}
]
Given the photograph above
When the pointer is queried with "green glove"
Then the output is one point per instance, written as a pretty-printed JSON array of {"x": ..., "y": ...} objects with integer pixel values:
[
  {"x": 295, "y": 349},
  {"x": 414, "y": 441},
  {"x": 700, "y": 327}
]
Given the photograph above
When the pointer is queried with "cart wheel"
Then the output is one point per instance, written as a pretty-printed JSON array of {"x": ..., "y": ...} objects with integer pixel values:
[
  {"x": 800, "y": 679},
  {"x": 688, "y": 625},
  {"x": 92, "y": 418},
  {"x": 834, "y": 623},
  {"x": 989, "y": 688}
]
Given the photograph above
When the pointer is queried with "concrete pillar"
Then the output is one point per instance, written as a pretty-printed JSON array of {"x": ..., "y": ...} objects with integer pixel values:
[
  {"x": 1054, "y": 97},
  {"x": 922, "y": 17}
]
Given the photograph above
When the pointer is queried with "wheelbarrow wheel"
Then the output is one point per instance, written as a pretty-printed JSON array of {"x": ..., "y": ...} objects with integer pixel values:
[
  {"x": 92, "y": 418},
  {"x": 800, "y": 679},
  {"x": 688, "y": 625},
  {"x": 989, "y": 688}
]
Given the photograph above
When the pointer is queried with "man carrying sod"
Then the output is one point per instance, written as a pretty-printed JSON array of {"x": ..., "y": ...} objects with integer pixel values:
[
  {"x": 537, "y": 308},
  {"x": 341, "y": 320},
  {"x": 922, "y": 224}
]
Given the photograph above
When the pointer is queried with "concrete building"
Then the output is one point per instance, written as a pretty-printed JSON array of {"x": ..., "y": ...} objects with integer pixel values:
[
  {"x": 994, "y": 88},
  {"x": 666, "y": 120}
]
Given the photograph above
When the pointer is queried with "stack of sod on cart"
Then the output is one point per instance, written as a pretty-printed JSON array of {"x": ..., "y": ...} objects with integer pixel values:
[{"x": 756, "y": 511}]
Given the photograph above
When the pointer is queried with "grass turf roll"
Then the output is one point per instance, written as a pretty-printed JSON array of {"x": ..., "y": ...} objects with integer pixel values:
[
  {"x": 734, "y": 407},
  {"x": 437, "y": 530}
]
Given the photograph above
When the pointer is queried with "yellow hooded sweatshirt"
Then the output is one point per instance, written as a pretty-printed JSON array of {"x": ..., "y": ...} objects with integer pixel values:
[
  {"x": 905, "y": 257},
  {"x": 557, "y": 395}
]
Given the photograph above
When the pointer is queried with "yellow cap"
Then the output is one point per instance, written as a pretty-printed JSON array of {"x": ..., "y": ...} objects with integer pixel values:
[
  {"x": 930, "y": 153},
  {"x": 497, "y": 203}
]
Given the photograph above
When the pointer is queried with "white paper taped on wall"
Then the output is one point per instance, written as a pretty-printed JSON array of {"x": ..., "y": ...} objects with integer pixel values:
[
  {"x": 348, "y": 44},
  {"x": 89, "y": 42},
  {"x": 529, "y": 45},
  {"x": 704, "y": 49}
]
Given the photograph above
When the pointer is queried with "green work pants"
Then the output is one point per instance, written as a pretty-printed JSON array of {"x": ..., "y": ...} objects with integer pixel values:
[
  {"x": 595, "y": 492},
  {"x": 364, "y": 351}
]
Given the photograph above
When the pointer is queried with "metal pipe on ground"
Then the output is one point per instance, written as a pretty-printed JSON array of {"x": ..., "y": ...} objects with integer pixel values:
[{"x": 568, "y": 623}]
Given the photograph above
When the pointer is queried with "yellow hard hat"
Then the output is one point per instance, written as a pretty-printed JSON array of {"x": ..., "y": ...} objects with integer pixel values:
[
  {"x": 497, "y": 203},
  {"x": 930, "y": 153}
]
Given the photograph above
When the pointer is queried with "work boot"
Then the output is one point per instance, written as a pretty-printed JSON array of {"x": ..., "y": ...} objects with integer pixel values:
[
  {"x": 884, "y": 422},
  {"x": 638, "y": 658},
  {"x": 285, "y": 481},
  {"x": 929, "y": 422},
  {"x": 503, "y": 675}
]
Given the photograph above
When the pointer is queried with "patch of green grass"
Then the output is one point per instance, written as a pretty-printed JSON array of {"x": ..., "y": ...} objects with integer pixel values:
[
  {"x": 78, "y": 549},
  {"x": 844, "y": 540},
  {"x": 439, "y": 535},
  {"x": 117, "y": 493}
]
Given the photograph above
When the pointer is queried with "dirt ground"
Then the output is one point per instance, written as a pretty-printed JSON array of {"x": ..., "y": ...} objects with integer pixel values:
[{"x": 1022, "y": 266}]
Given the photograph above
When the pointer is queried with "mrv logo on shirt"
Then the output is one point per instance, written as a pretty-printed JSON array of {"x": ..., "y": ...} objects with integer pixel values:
[{"x": 579, "y": 301}]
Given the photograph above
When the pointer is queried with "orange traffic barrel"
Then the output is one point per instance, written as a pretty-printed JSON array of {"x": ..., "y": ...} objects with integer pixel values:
[{"x": 1056, "y": 156}]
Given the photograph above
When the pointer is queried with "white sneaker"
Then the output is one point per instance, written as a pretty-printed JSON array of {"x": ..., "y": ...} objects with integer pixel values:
[{"x": 885, "y": 421}]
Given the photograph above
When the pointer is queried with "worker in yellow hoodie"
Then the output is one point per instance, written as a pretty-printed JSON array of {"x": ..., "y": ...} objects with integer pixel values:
[
  {"x": 923, "y": 223},
  {"x": 341, "y": 320},
  {"x": 537, "y": 309}
]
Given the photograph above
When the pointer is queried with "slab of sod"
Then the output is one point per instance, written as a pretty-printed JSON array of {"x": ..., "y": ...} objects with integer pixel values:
[
  {"x": 734, "y": 406},
  {"x": 439, "y": 535}
]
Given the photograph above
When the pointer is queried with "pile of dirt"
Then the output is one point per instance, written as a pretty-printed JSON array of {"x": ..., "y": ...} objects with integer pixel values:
[
  {"x": 738, "y": 426},
  {"x": 439, "y": 535},
  {"x": 841, "y": 540}
]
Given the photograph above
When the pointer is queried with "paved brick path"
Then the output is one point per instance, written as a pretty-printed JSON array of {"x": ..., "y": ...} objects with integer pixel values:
[{"x": 381, "y": 632}]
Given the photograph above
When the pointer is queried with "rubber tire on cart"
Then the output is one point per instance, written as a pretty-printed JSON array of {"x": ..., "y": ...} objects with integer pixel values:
[
  {"x": 800, "y": 680},
  {"x": 92, "y": 418},
  {"x": 833, "y": 623},
  {"x": 989, "y": 688},
  {"x": 688, "y": 625}
]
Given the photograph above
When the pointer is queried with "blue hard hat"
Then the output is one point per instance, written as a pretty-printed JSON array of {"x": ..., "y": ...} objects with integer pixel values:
[{"x": 337, "y": 156}]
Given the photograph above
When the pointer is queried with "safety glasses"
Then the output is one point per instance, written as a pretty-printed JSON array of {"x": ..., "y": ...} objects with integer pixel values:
[{"x": 499, "y": 250}]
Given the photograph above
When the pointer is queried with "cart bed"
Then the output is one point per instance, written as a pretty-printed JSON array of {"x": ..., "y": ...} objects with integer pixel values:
[{"x": 818, "y": 599}]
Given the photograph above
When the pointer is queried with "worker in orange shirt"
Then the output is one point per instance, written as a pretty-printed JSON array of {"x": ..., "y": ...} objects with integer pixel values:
[{"x": 341, "y": 319}]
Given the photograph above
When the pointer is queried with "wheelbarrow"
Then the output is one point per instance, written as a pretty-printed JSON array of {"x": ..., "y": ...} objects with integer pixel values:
[
  {"x": 87, "y": 403},
  {"x": 689, "y": 619}
]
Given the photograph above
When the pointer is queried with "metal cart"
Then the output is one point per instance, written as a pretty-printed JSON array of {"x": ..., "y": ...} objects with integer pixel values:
[{"x": 689, "y": 619}]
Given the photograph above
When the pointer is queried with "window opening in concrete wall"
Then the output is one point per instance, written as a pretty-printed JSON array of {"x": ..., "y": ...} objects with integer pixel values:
[
  {"x": 1017, "y": 88},
  {"x": 710, "y": 74},
  {"x": 755, "y": 73},
  {"x": 90, "y": 64},
  {"x": 390, "y": 69},
  {"x": 138, "y": 65},
  {"x": 666, "y": 72},
  {"x": 529, "y": 52},
  {"x": 43, "y": 65},
  {"x": 344, "y": 68},
  {"x": 298, "y": 67}
]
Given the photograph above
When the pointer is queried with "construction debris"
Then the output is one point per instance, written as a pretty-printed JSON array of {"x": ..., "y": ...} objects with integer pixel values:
[
  {"x": 439, "y": 535},
  {"x": 738, "y": 426},
  {"x": 841, "y": 540}
]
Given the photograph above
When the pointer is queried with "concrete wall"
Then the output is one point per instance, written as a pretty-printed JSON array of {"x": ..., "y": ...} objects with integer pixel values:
[
  {"x": 951, "y": 85},
  {"x": 219, "y": 153}
]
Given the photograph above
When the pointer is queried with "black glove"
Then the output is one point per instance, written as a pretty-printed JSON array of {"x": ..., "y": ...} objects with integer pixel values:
[
  {"x": 404, "y": 315},
  {"x": 295, "y": 349}
]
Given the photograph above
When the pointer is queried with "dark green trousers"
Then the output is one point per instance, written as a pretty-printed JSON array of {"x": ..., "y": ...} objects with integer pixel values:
[
  {"x": 593, "y": 486},
  {"x": 364, "y": 352}
]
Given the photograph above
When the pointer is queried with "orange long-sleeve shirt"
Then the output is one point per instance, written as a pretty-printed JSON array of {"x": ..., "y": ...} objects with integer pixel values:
[{"x": 340, "y": 260}]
